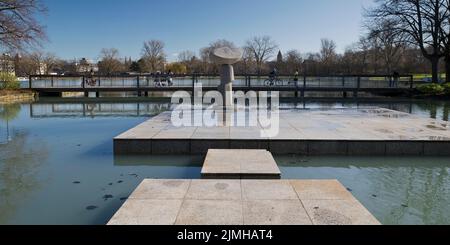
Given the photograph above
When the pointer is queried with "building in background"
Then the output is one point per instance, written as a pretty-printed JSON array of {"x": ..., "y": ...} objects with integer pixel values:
[
  {"x": 85, "y": 65},
  {"x": 7, "y": 63}
]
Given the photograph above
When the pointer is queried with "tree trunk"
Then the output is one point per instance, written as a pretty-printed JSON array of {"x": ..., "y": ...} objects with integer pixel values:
[
  {"x": 435, "y": 69},
  {"x": 447, "y": 68}
]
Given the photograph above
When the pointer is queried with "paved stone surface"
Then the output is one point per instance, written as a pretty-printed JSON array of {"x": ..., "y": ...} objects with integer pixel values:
[
  {"x": 240, "y": 164},
  {"x": 242, "y": 202},
  {"x": 371, "y": 131}
]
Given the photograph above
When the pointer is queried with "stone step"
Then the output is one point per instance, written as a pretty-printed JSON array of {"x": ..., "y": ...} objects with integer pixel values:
[
  {"x": 242, "y": 202},
  {"x": 240, "y": 164}
]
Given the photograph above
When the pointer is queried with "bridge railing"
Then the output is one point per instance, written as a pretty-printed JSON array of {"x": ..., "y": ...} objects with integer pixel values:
[{"x": 187, "y": 81}]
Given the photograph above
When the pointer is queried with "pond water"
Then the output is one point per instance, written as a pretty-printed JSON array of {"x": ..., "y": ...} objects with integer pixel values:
[{"x": 57, "y": 165}]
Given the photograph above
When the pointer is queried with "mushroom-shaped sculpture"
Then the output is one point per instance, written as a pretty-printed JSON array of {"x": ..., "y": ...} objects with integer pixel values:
[{"x": 226, "y": 55}]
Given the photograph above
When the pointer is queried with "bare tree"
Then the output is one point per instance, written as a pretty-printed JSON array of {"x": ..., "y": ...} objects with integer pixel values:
[
  {"x": 364, "y": 48},
  {"x": 328, "y": 55},
  {"x": 109, "y": 63},
  {"x": 391, "y": 44},
  {"x": 37, "y": 59},
  {"x": 247, "y": 64},
  {"x": 445, "y": 33},
  {"x": 188, "y": 59},
  {"x": 420, "y": 21},
  {"x": 262, "y": 49},
  {"x": 186, "y": 56},
  {"x": 153, "y": 55},
  {"x": 49, "y": 61},
  {"x": 19, "y": 27},
  {"x": 293, "y": 61}
]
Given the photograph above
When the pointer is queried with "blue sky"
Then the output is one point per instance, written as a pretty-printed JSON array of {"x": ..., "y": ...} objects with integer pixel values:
[{"x": 82, "y": 28}]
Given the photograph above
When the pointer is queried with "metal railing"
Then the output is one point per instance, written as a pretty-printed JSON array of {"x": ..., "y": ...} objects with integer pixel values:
[{"x": 211, "y": 80}]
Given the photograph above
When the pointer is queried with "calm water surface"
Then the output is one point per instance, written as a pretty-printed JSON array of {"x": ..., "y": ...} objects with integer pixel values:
[{"x": 57, "y": 165}]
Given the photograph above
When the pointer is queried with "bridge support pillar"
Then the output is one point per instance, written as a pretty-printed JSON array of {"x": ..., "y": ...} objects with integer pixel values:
[
  {"x": 146, "y": 93},
  {"x": 86, "y": 94},
  {"x": 355, "y": 94},
  {"x": 97, "y": 94},
  {"x": 139, "y": 93}
]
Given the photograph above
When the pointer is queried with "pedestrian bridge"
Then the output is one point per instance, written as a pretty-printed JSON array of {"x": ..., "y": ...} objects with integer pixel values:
[{"x": 143, "y": 84}]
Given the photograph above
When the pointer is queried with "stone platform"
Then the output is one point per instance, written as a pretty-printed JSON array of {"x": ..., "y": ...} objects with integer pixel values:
[
  {"x": 371, "y": 131},
  {"x": 242, "y": 202},
  {"x": 240, "y": 164}
]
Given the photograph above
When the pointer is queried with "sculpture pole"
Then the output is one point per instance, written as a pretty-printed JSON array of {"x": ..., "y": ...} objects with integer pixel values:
[{"x": 226, "y": 85}]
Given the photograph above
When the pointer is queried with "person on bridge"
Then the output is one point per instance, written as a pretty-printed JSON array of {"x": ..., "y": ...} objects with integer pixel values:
[
  {"x": 296, "y": 76},
  {"x": 169, "y": 78},
  {"x": 396, "y": 78},
  {"x": 274, "y": 73}
]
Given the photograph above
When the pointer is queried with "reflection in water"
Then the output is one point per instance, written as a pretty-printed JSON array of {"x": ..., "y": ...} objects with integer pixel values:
[
  {"x": 399, "y": 190},
  {"x": 19, "y": 170},
  {"x": 8, "y": 113},
  {"x": 432, "y": 109},
  {"x": 92, "y": 110},
  {"x": 60, "y": 159}
]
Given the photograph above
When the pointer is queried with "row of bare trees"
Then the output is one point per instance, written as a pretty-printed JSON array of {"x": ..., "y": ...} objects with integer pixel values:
[
  {"x": 405, "y": 36},
  {"x": 422, "y": 24},
  {"x": 373, "y": 54}
]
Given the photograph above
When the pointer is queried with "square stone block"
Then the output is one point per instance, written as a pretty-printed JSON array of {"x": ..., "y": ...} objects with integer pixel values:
[
  {"x": 235, "y": 163},
  {"x": 339, "y": 148},
  {"x": 404, "y": 148},
  {"x": 338, "y": 212},
  {"x": 366, "y": 148},
  {"x": 275, "y": 212},
  {"x": 166, "y": 147},
  {"x": 320, "y": 190},
  {"x": 210, "y": 212},
  {"x": 214, "y": 190},
  {"x": 268, "y": 190},
  {"x": 288, "y": 147},
  {"x": 132, "y": 147},
  {"x": 161, "y": 189}
]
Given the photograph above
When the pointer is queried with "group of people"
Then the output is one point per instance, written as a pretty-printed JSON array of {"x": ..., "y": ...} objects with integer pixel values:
[{"x": 162, "y": 79}]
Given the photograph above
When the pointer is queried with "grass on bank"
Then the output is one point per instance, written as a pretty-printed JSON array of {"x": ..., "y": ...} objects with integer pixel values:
[
  {"x": 434, "y": 89},
  {"x": 8, "y": 81}
]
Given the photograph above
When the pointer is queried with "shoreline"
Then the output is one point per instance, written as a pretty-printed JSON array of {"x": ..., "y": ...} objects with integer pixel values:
[{"x": 16, "y": 96}]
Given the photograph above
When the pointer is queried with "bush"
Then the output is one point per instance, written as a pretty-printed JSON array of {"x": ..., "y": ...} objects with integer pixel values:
[
  {"x": 446, "y": 87},
  {"x": 431, "y": 89},
  {"x": 8, "y": 81}
]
